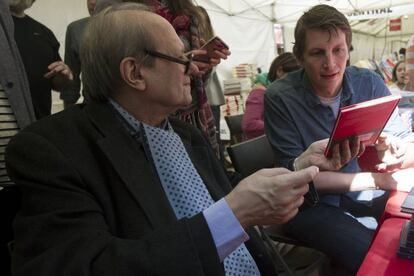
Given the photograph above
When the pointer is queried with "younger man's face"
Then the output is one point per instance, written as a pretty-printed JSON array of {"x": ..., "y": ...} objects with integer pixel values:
[{"x": 324, "y": 60}]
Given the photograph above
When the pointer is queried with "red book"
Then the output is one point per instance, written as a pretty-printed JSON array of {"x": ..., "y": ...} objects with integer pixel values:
[{"x": 365, "y": 120}]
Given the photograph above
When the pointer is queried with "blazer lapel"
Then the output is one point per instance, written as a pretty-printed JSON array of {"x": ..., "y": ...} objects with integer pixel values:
[{"x": 130, "y": 162}]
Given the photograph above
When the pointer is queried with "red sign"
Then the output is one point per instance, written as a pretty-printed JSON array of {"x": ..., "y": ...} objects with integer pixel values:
[{"x": 395, "y": 25}]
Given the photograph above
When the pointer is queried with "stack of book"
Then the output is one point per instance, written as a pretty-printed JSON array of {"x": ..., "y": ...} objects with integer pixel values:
[
  {"x": 235, "y": 91},
  {"x": 406, "y": 249},
  {"x": 236, "y": 86},
  {"x": 245, "y": 70}
]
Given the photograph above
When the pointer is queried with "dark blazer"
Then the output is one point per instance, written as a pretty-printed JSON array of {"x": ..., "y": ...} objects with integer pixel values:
[
  {"x": 12, "y": 75},
  {"x": 92, "y": 205},
  {"x": 74, "y": 33}
]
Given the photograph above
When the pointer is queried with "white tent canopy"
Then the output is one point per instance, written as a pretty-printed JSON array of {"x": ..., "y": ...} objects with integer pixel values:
[{"x": 247, "y": 25}]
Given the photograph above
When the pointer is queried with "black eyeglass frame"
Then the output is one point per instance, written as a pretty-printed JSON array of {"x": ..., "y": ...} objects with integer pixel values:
[{"x": 186, "y": 63}]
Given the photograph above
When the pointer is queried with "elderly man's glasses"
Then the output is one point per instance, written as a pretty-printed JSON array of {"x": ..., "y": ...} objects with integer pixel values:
[{"x": 184, "y": 61}]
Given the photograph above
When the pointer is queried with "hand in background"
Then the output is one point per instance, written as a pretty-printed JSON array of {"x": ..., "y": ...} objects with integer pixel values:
[
  {"x": 60, "y": 74},
  {"x": 391, "y": 152},
  {"x": 342, "y": 153},
  {"x": 214, "y": 60},
  {"x": 270, "y": 196},
  {"x": 401, "y": 180}
]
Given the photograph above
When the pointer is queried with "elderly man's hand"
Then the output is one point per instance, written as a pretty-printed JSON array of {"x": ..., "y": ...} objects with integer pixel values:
[
  {"x": 270, "y": 196},
  {"x": 342, "y": 153},
  {"x": 391, "y": 152}
]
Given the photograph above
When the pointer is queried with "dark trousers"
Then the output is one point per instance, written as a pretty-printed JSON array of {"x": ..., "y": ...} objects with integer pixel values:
[{"x": 337, "y": 234}]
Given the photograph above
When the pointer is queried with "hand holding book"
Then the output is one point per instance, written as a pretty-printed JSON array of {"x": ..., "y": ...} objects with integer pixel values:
[
  {"x": 342, "y": 153},
  {"x": 364, "y": 120},
  {"x": 314, "y": 155}
]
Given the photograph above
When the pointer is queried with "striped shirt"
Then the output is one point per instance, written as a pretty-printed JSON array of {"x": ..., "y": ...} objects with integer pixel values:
[{"x": 8, "y": 128}]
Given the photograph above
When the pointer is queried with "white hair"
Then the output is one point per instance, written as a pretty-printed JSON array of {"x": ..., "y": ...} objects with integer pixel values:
[{"x": 18, "y": 6}]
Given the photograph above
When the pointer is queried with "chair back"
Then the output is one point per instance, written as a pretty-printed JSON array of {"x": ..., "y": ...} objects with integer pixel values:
[
  {"x": 252, "y": 155},
  {"x": 234, "y": 122}
]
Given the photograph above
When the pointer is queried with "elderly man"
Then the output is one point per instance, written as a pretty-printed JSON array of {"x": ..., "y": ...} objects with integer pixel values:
[
  {"x": 302, "y": 108},
  {"x": 133, "y": 192}
]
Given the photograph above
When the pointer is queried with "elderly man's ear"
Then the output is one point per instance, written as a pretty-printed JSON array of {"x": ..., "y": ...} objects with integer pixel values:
[{"x": 130, "y": 70}]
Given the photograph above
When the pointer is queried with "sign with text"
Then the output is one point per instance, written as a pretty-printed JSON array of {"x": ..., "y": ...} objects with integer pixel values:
[
  {"x": 390, "y": 12},
  {"x": 395, "y": 25}
]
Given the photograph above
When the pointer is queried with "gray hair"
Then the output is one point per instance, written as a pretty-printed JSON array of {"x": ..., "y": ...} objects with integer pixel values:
[
  {"x": 18, "y": 6},
  {"x": 110, "y": 36}
]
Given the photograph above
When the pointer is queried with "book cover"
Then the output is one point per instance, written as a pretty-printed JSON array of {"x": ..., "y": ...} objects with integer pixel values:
[
  {"x": 408, "y": 204},
  {"x": 406, "y": 249},
  {"x": 365, "y": 120}
]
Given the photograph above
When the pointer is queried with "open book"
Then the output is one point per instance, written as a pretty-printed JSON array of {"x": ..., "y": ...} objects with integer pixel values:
[{"x": 365, "y": 120}]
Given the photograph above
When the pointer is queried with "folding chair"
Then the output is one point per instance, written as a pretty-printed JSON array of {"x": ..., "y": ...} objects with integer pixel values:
[
  {"x": 248, "y": 157},
  {"x": 234, "y": 122}
]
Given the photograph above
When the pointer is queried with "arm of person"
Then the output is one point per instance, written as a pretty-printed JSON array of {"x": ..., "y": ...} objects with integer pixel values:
[
  {"x": 62, "y": 227},
  {"x": 270, "y": 196},
  {"x": 337, "y": 182}
]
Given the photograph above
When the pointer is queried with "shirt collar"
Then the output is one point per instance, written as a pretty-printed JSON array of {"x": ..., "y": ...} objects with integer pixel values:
[{"x": 133, "y": 124}]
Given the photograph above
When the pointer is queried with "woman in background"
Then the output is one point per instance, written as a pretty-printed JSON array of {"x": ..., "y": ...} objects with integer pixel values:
[
  {"x": 399, "y": 76},
  {"x": 253, "y": 124}
]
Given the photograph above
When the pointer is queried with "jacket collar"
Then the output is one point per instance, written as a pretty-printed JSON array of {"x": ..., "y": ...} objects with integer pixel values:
[{"x": 130, "y": 162}]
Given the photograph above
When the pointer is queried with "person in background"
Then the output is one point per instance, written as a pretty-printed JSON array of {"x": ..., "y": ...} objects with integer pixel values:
[
  {"x": 253, "y": 124},
  {"x": 302, "y": 108},
  {"x": 409, "y": 63},
  {"x": 136, "y": 192},
  {"x": 39, "y": 50},
  {"x": 400, "y": 79},
  {"x": 184, "y": 16},
  {"x": 74, "y": 33},
  {"x": 214, "y": 91},
  {"x": 16, "y": 113},
  {"x": 399, "y": 76}
]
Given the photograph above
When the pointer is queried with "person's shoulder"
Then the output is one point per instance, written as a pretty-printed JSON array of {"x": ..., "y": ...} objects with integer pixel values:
[
  {"x": 358, "y": 71},
  {"x": 179, "y": 125},
  {"x": 257, "y": 92},
  {"x": 38, "y": 25},
  {"x": 286, "y": 85},
  {"x": 63, "y": 119},
  {"x": 354, "y": 73},
  {"x": 186, "y": 130},
  {"x": 80, "y": 23}
]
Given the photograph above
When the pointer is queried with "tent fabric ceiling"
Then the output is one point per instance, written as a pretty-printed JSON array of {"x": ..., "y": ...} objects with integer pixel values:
[
  {"x": 290, "y": 10},
  {"x": 247, "y": 26},
  {"x": 372, "y": 20}
]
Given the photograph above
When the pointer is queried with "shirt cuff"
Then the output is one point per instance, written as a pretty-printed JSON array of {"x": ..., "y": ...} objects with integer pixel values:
[{"x": 226, "y": 230}]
